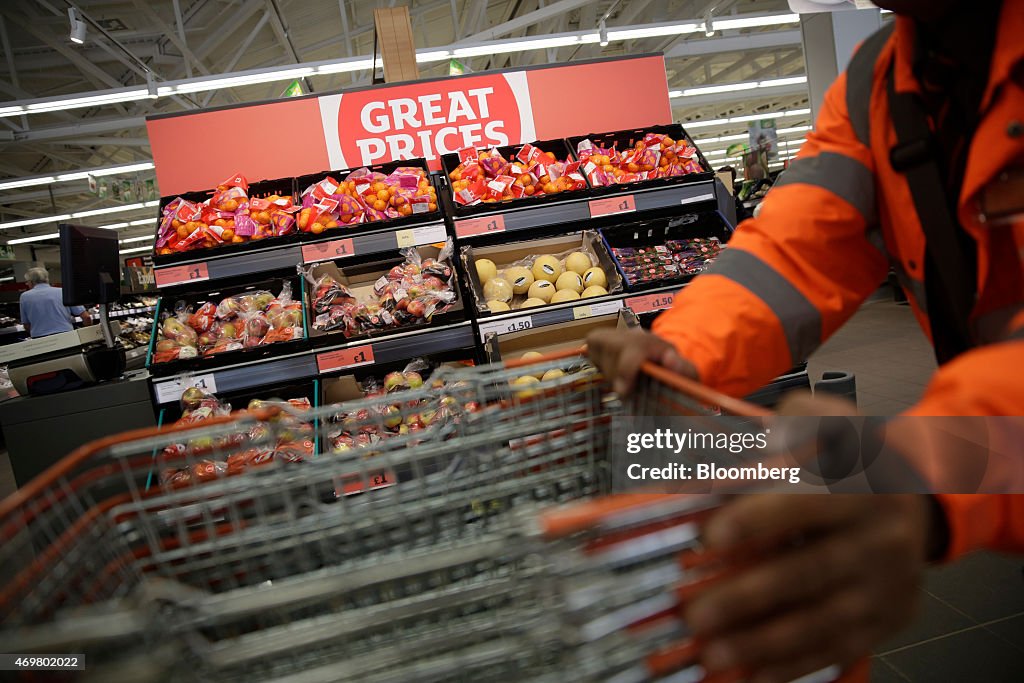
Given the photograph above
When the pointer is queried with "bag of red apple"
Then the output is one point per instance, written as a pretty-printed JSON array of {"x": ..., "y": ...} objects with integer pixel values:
[
  {"x": 255, "y": 326},
  {"x": 326, "y": 291},
  {"x": 198, "y": 405}
]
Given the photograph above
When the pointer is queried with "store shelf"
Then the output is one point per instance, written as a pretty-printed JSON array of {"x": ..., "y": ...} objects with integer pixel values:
[
  {"x": 14, "y": 329},
  {"x": 268, "y": 371},
  {"x": 338, "y": 244},
  {"x": 517, "y": 321},
  {"x": 297, "y": 367},
  {"x": 625, "y": 203},
  {"x": 396, "y": 347}
]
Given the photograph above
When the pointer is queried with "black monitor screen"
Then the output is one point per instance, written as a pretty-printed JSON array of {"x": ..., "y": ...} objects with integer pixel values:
[{"x": 90, "y": 265}]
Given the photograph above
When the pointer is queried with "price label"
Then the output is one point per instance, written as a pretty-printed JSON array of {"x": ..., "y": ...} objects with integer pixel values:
[
  {"x": 327, "y": 251},
  {"x": 610, "y": 206},
  {"x": 650, "y": 302},
  {"x": 507, "y": 326},
  {"x": 428, "y": 234},
  {"x": 603, "y": 308},
  {"x": 171, "y": 390},
  {"x": 179, "y": 275},
  {"x": 484, "y": 225},
  {"x": 348, "y": 484},
  {"x": 345, "y": 358},
  {"x": 698, "y": 198}
]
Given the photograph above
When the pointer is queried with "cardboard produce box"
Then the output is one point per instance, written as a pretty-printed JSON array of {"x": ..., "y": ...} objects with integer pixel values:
[
  {"x": 360, "y": 281},
  {"x": 524, "y": 255},
  {"x": 554, "y": 338}
]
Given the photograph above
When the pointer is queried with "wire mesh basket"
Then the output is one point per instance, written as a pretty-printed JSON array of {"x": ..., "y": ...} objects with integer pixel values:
[{"x": 392, "y": 554}]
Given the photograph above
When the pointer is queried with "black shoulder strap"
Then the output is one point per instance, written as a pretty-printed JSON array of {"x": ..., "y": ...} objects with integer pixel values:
[{"x": 915, "y": 157}]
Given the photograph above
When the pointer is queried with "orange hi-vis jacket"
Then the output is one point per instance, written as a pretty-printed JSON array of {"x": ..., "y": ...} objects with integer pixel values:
[{"x": 832, "y": 227}]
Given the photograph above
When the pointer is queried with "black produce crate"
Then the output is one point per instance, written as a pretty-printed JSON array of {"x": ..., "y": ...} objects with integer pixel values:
[
  {"x": 360, "y": 275},
  {"x": 627, "y": 139},
  {"x": 304, "y": 181},
  {"x": 169, "y": 303},
  {"x": 449, "y": 162},
  {"x": 264, "y": 188},
  {"x": 656, "y": 232}
]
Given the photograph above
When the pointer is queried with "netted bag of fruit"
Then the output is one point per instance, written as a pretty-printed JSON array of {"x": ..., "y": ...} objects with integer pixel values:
[
  {"x": 285, "y": 317},
  {"x": 325, "y": 291},
  {"x": 176, "y": 224},
  {"x": 178, "y": 341}
]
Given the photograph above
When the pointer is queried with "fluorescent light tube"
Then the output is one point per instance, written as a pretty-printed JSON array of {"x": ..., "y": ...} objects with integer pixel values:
[
  {"x": 34, "y": 238},
  {"x": 743, "y": 119},
  {"x": 144, "y": 238},
  {"x": 34, "y": 221},
  {"x": 136, "y": 249}
]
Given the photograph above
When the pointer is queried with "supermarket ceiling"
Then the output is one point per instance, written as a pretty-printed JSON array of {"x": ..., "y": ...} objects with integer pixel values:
[{"x": 128, "y": 41}]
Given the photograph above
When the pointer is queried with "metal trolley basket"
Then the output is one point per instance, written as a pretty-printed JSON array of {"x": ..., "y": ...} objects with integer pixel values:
[{"x": 438, "y": 554}]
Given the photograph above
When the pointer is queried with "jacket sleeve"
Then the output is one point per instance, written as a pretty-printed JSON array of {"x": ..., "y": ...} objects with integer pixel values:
[
  {"x": 984, "y": 381},
  {"x": 792, "y": 276}
]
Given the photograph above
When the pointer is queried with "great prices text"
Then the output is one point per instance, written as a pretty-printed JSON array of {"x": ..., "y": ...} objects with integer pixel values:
[{"x": 429, "y": 125}]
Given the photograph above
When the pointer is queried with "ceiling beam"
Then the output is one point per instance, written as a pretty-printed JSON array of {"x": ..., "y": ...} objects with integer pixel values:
[
  {"x": 529, "y": 19},
  {"x": 749, "y": 41}
]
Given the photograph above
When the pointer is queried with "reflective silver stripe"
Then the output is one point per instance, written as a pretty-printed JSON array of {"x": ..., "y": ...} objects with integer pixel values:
[
  {"x": 843, "y": 176},
  {"x": 860, "y": 80},
  {"x": 914, "y": 288},
  {"x": 1016, "y": 335},
  {"x": 801, "y": 321}
]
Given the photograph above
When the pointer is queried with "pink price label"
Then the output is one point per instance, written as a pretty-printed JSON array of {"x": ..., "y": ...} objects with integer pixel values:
[
  {"x": 348, "y": 484},
  {"x": 345, "y": 358},
  {"x": 479, "y": 226},
  {"x": 327, "y": 251},
  {"x": 610, "y": 206},
  {"x": 194, "y": 272},
  {"x": 650, "y": 302}
]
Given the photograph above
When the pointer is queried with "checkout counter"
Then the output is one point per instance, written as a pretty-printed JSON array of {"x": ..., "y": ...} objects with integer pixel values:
[{"x": 72, "y": 391}]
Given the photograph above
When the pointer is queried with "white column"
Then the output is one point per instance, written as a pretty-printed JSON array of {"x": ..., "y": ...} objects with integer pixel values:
[{"x": 829, "y": 39}]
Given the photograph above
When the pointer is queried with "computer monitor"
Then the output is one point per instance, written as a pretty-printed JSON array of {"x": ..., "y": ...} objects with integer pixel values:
[{"x": 90, "y": 265}]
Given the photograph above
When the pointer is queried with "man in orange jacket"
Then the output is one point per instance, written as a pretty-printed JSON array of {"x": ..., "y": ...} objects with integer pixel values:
[{"x": 916, "y": 163}]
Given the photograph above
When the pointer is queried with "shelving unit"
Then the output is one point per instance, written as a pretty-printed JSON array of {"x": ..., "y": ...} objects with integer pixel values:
[{"x": 313, "y": 363}]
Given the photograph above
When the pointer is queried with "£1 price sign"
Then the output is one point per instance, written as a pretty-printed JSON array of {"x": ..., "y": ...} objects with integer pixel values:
[
  {"x": 327, "y": 251},
  {"x": 179, "y": 275},
  {"x": 470, "y": 227},
  {"x": 345, "y": 358}
]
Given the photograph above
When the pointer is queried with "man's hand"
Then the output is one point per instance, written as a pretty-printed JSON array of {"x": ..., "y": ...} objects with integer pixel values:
[
  {"x": 620, "y": 353},
  {"x": 841, "y": 575}
]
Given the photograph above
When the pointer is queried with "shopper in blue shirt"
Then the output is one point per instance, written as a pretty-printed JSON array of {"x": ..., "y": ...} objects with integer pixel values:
[{"x": 42, "y": 307}]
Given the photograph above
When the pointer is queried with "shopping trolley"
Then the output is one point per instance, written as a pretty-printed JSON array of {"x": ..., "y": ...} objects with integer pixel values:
[{"x": 440, "y": 553}]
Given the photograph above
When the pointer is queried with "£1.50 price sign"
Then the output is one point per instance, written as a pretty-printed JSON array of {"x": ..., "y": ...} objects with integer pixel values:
[
  {"x": 650, "y": 302},
  {"x": 507, "y": 326}
]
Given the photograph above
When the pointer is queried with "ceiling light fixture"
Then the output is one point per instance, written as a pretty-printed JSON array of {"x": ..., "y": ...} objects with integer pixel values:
[
  {"x": 736, "y": 87},
  {"x": 602, "y": 33},
  {"x": 78, "y": 27},
  {"x": 291, "y": 72},
  {"x": 75, "y": 175},
  {"x": 34, "y": 238},
  {"x": 709, "y": 25},
  {"x": 744, "y": 119},
  {"x": 81, "y": 214},
  {"x": 135, "y": 249},
  {"x": 144, "y": 238}
]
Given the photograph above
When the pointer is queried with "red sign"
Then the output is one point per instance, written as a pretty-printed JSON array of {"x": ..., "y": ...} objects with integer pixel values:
[
  {"x": 479, "y": 226},
  {"x": 612, "y": 205},
  {"x": 422, "y": 119},
  {"x": 327, "y": 251},
  {"x": 650, "y": 302},
  {"x": 179, "y": 275},
  {"x": 345, "y": 358}
]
